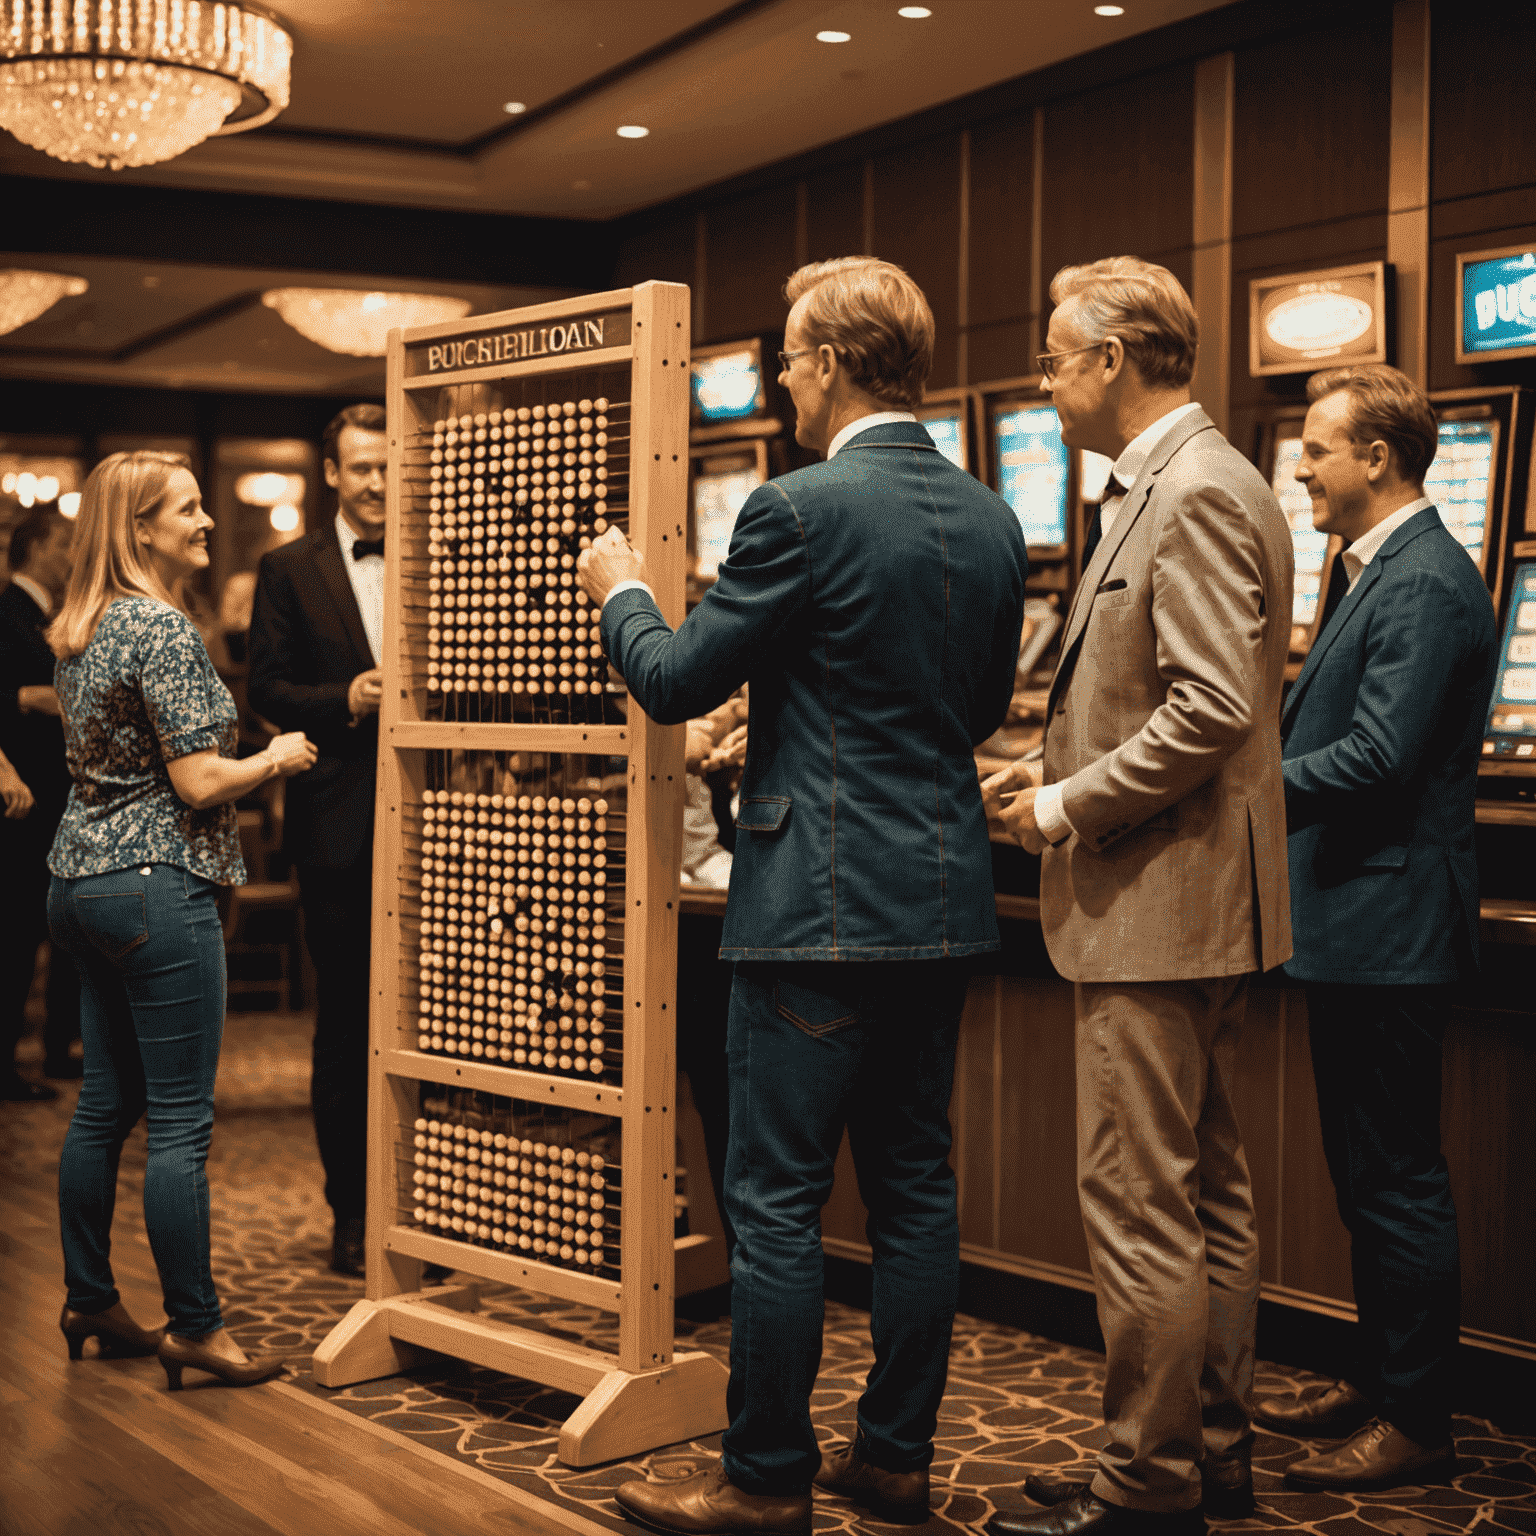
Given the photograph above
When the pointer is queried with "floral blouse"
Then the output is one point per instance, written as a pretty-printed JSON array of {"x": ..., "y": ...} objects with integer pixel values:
[{"x": 141, "y": 694}]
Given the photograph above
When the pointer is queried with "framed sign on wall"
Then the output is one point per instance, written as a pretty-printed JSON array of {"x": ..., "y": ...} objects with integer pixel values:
[
  {"x": 1496, "y": 304},
  {"x": 1304, "y": 321}
]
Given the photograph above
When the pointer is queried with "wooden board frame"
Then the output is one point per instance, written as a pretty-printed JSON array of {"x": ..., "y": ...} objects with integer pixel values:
[{"x": 646, "y": 1395}]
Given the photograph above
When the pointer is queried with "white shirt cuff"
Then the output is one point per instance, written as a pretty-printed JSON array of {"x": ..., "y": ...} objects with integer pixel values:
[
  {"x": 1049, "y": 816},
  {"x": 625, "y": 586}
]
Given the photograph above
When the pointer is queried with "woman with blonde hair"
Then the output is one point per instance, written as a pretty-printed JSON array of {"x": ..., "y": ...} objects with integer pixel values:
[{"x": 146, "y": 840}]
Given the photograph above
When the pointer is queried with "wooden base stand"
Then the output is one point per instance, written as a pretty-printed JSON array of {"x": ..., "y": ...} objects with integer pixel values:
[{"x": 623, "y": 1413}]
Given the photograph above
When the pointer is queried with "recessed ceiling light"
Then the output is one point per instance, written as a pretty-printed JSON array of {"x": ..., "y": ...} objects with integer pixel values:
[
  {"x": 915, "y": 12},
  {"x": 512, "y": 108},
  {"x": 834, "y": 37},
  {"x": 633, "y": 131},
  {"x": 1109, "y": 10}
]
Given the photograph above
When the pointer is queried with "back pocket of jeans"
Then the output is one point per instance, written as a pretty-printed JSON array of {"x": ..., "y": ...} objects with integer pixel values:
[
  {"x": 115, "y": 922},
  {"x": 811, "y": 1010}
]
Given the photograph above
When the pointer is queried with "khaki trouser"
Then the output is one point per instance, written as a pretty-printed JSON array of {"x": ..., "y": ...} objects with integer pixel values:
[{"x": 1168, "y": 1211}]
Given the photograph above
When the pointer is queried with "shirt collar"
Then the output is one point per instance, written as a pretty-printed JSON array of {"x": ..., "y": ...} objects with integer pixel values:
[
  {"x": 1368, "y": 545},
  {"x": 1133, "y": 457},
  {"x": 35, "y": 590},
  {"x": 863, "y": 424},
  {"x": 346, "y": 536}
]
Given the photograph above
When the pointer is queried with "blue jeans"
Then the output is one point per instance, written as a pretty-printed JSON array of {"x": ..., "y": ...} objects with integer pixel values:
[
  {"x": 150, "y": 952},
  {"x": 815, "y": 1047}
]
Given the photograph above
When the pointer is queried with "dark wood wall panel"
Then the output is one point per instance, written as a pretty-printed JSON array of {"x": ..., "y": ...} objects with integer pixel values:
[
  {"x": 1119, "y": 174},
  {"x": 917, "y": 225},
  {"x": 834, "y": 212},
  {"x": 1480, "y": 92},
  {"x": 1312, "y": 136},
  {"x": 749, "y": 252},
  {"x": 664, "y": 252},
  {"x": 1260, "y": 1044},
  {"x": 1002, "y": 199},
  {"x": 999, "y": 351}
]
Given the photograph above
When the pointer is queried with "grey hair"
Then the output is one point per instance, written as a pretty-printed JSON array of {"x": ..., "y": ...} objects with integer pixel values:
[{"x": 1144, "y": 305}]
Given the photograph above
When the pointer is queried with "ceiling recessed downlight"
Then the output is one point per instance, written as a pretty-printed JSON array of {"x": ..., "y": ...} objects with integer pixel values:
[
  {"x": 512, "y": 108},
  {"x": 633, "y": 131},
  {"x": 834, "y": 37},
  {"x": 1109, "y": 10},
  {"x": 915, "y": 12}
]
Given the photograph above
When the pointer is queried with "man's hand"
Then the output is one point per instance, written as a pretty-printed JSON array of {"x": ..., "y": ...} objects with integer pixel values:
[
  {"x": 365, "y": 693},
  {"x": 698, "y": 744},
  {"x": 609, "y": 561},
  {"x": 1018, "y": 816},
  {"x": 731, "y": 753},
  {"x": 38, "y": 699},
  {"x": 17, "y": 797},
  {"x": 1009, "y": 797},
  {"x": 1016, "y": 776}
]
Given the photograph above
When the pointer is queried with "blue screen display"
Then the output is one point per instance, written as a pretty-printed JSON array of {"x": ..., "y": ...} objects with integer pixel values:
[
  {"x": 1032, "y": 464},
  {"x": 1460, "y": 481},
  {"x": 727, "y": 387},
  {"x": 947, "y": 437},
  {"x": 1498, "y": 303},
  {"x": 1512, "y": 719}
]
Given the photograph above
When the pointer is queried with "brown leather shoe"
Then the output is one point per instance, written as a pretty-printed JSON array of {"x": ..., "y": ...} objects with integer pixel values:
[
  {"x": 1378, "y": 1456},
  {"x": 710, "y": 1504},
  {"x": 1334, "y": 1412},
  {"x": 1226, "y": 1485},
  {"x": 896, "y": 1498},
  {"x": 1086, "y": 1513}
]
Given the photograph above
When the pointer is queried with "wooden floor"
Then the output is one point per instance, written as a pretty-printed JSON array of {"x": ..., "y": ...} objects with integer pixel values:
[{"x": 101, "y": 1448}]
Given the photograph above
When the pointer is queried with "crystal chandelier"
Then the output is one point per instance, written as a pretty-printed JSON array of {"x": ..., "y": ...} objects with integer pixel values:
[
  {"x": 26, "y": 295},
  {"x": 346, "y": 320},
  {"x": 117, "y": 83}
]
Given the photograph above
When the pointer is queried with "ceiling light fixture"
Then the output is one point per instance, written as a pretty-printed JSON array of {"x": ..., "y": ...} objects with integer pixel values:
[
  {"x": 26, "y": 295},
  {"x": 834, "y": 37},
  {"x": 358, "y": 323},
  {"x": 915, "y": 12},
  {"x": 69, "y": 504},
  {"x": 512, "y": 108},
  {"x": 633, "y": 131},
  {"x": 118, "y": 83},
  {"x": 1109, "y": 10}
]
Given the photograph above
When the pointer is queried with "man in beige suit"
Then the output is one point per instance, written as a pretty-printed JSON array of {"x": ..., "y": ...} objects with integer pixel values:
[{"x": 1160, "y": 818}]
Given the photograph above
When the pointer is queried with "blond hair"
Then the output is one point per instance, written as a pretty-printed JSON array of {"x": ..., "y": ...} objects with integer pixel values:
[
  {"x": 1144, "y": 305},
  {"x": 123, "y": 489},
  {"x": 875, "y": 318}
]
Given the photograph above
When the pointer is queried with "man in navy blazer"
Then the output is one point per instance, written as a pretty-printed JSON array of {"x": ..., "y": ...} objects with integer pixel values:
[
  {"x": 874, "y": 602},
  {"x": 1381, "y": 744}
]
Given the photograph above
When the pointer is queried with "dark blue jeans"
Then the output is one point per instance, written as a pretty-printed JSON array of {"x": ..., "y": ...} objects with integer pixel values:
[
  {"x": 150, "y": 952},
  {"x": 1376, "y": 1057},
  {"x": 814, "y": 1048}
]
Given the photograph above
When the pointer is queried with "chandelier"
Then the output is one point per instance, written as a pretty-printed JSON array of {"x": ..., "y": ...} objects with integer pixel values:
[
  {"x": 26, "y": 295},
  {"x": 346, "y": 320},
  {"x": 118, "y": 83}
]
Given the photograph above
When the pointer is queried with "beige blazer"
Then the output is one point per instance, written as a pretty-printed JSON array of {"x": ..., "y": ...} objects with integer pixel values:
[{"x": 1165, "y": 717}]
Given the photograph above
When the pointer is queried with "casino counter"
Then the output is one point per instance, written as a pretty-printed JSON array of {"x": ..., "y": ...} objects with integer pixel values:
[{"x": 1014, "y": 1130}]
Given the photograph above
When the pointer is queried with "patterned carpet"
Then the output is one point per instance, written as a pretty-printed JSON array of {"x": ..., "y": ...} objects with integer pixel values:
[{"x": 1016, "y": 1402}]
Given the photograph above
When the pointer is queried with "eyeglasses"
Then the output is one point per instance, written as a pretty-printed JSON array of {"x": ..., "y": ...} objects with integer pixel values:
[
  {"x": 1047, "y": 360},
  {"x": 786, "y": 358}
]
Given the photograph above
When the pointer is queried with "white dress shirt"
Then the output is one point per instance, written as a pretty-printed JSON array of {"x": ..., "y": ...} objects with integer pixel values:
[
  {"x": 367, "y": 578},
  {"x": 852, "y": 430},
  {"x": 1368, "y": 545},
  {"x": 35, "y": 590},
  {"x": 1049, "y": 815}
]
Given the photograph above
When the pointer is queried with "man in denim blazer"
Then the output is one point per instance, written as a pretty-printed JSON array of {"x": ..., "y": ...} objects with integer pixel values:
[{"x": 874, "y": 602}]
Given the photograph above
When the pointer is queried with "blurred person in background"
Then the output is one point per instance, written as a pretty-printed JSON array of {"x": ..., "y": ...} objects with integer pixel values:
[
  {"x": 316, "y": 642},
  {"x": 32, "y": 738},
  {"x": 147, "y": 839}
]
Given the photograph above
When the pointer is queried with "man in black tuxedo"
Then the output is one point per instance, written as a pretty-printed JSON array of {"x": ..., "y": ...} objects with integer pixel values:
[
  {"x": 315, "y": 646},
  {"x": 32, "y": 737}
]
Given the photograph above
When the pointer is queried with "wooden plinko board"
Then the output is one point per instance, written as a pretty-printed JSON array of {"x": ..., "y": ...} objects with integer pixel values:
[{"x": 522, "y": 1123}]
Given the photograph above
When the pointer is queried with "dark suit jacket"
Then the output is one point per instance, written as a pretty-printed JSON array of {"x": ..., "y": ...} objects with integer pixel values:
[
  {"x": 1381, "y": 737},
  {"x": 307, "y": 644},
  {"x": 33, "y": 742},
  {"x": 874, "y": 603}
]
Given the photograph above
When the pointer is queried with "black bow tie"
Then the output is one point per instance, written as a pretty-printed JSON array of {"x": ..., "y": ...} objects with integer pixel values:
[{"x": 361, "y": 547}]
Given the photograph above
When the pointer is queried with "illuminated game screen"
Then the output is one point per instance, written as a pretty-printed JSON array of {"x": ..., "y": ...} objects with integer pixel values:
[
  {"x": 1511, "y": 730},
  {"x": 945, "y": 426},
  {"x": 1460, "y": 481},
  {"x": 727, "y": 386},
  {"x": 1498, "y": 304},
  {"x": 1032, "y": 464},
  {"x": 719, "y": 494},
  {"x": 1310, "y": 546}
]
